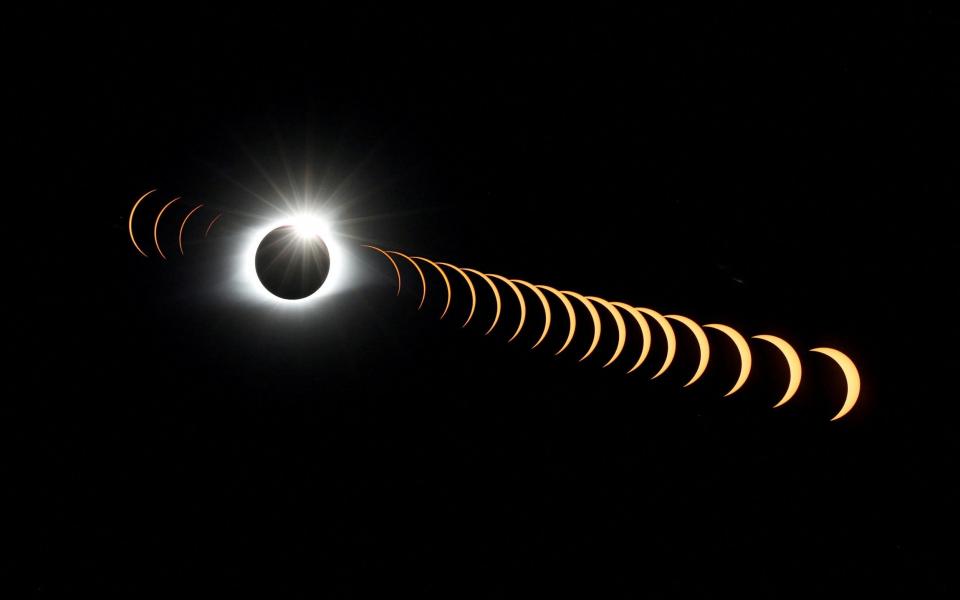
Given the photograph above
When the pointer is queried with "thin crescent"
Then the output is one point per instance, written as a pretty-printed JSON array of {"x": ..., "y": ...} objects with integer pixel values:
[
  {"x": 702, "y": 342},
  {"x": 182, "y": 225},
  {"x": 546, "y": 309},
  {"x": 596, "y": 322},
  {"x": 473, "y": 292},
  {"x": 644, "y": 330},
  {"x": 130, "y": 221},
  {"x": 852, "y": 375},
  {"x": 423, "y": 280},
  {"x": 210, "y": 226},
  {"x": 793, "y": 363},
  {"x": 668, "y": 333},
  {"x": 156, "y": 224},
  {"x": 446, "y": 282},
  {"x": 392, "y": 262},
  {"x": 621, "y": 327},
  {"x": 523, "y": 304},
  {"x": 496, "y": 295},
  {"x": 572, "y": 316},
  {"x": 746, "y": 359}
]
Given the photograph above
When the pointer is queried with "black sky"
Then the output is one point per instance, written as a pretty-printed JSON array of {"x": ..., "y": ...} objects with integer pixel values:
[{"x": 792, "y": 174}]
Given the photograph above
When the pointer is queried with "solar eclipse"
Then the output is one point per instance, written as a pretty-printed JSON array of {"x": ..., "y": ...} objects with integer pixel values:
[{"x": 292, "y": 262}]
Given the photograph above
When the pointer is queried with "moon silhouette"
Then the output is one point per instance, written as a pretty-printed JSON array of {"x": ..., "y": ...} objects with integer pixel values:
[
  {"x": 596, "y": 322},
  {"x": 644, "y": 331},
  {"x": 156, "y": 224},
  {"x": 702, "y": 342},
  {"x": 668, "y": 333},
  {"x": 546, "y": 309},
  {"x": 523, "y": 304},
  {"x": 746, "y": 359},
  {"x": 793, "y": 364},
  {"x": 292, "y": 264},
  {"x": 130, "y": 222},
  {"x": 851, "y": 374},
  {"x": 473, "y": 291},
  {"x": 496, "y": 296},
  {"x": 621, "y": 327},
  {"x": 446, "y": 282},
  {"x": 571, "y": 316}
]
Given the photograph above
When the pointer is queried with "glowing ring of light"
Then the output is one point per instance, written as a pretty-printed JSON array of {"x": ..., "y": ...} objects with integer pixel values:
[{"x": 746, "y": 359}]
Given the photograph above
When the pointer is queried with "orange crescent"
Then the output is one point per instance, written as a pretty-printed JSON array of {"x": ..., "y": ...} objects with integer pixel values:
[
  {"x": 644, "y": 330},
  {"x": 596, "y": 321},
  {"x": 668, "y": 333},
  {"x": 130, "y": 222},
  {"x": 182, "y": 225},
  {"x": 156, "y": 224},
  {"x": 214, "y": 220},
  {"x": 572, "y": 316},
  {"x": 423, "y": 280},
  {"x": 746, "y": 359},
  {"x": 793, "y": 364},
  {"x": 702, "y": 343},
  {"x": 473, "y": 292},
  {"x": 496, "y": 295},
  {"x": 523, "y": 304},
  {"x": 851, "y": 374},
  {"x": 621, "y": 327},
  {"x": 546, "y": 309},
  {"x": 446, "y": 282},
  {"x": 392, "y": 262}
]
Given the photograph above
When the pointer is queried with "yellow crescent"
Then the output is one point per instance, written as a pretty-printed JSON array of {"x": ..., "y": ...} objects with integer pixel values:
[
  {"x": 392, "y": 262},
  {"x": 596, "y": 322},
  {"x": 210, "y": 226},
  {"x": 473, "y": 292},
  {"x": 423, "y": 280},
  {"x": 746, "y": 359},
  {"x": 546, "y": 309},
  {"x": 852, "y": 375},
  {"x": 130, "y": 221},
  {"x": 446, "y": 282},
  {"x": 572, "y": 316},
  {"x": 496, "y": 296},
  {"x": 156, "y": 224},
  {"x": 793, "y": 363},
  {"x": 621, "y": 327},
  {"x": 184, "y": 224},
  {"x": 668, "y": 334},
  {"x": 523, "y": 304},
  {"x": 701, "y": 342},
  {"x": 644, "y": 330}
]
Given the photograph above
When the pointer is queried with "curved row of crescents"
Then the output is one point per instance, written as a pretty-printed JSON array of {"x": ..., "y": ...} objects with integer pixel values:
[
  {"x": 617, "y": 310},
  {"x": 156, "y": 224}
]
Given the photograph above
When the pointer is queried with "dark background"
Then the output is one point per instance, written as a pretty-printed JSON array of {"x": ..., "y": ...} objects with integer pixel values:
[{"x": 788, "y": 174}]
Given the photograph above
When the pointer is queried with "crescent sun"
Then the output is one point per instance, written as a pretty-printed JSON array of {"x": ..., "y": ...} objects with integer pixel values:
[
  {"x": 621, "y": 327},
  {"x": 473, "y": 291},
  {"x": 851, "y": 374},
  {"x": 130, "y": 222},
  {"x": 446, "y": 282},
  {"x": 746, "y": 359},
  {"x": 423, "y": 280},
  {"x": 184, "y": 224},
  {"x": 793, "y": 364},
  {"x": 571, "y": 316},
  {"x": 523, "y": 304},
  {"x": 644, "y": 331},
  {"x": 668, "y": 333},
  {"x": 546, "y": 309},
  {"x": 702, "y": 343},
  {"x": 392, "y": 262},
  {"x": 596, "y": 321},
  {"x": 156, "y": 224},
  {"x": 496, "y": 296}
]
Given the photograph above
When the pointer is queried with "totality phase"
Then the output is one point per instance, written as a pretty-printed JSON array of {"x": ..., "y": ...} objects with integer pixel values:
[{"x": 292, "y": 263}]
